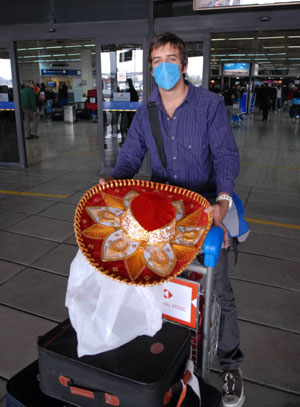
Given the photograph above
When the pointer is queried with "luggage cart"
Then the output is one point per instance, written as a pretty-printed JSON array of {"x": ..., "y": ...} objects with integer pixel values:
[
  {"x": 236, "y": 114},
  {"x": 204, "y": 319},
  {"x": 294, "y": 111}
]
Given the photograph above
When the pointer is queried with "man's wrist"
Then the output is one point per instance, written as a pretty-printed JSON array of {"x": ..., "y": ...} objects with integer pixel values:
[{"x": 222, "y": 198}]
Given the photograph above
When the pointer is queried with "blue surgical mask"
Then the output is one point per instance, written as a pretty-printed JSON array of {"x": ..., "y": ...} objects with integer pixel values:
[{"x": 166, "y": 75}]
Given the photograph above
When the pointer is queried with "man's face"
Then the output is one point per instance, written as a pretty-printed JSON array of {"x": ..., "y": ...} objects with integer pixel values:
[{"x": 167, "y": 53}]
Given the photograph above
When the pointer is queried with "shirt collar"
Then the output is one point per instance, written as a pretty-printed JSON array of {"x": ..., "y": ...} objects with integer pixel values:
[{"x": 155, "y": 95}]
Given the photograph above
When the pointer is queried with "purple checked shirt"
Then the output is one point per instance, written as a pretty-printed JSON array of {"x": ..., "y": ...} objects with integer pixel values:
[{"x": 200, "y": 150}]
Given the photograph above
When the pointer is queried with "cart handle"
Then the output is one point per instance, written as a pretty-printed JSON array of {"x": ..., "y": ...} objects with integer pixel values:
[{"x": 212, "y": 246}]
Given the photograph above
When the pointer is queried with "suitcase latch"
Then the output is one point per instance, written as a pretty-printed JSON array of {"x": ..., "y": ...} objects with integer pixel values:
[{"x": 111, "y": 400}]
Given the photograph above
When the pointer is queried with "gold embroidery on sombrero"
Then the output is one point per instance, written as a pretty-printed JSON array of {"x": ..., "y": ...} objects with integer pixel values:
[
  {"x": 160, "y": 258},
  {"x": 132, "y": 227},
  {"x": 105, "y": 215},
  {"x": 187, "y": 235},
  {"x": 113, "y": 201},
  {"x": 192, "y": 219},
  {"x": 98, "y": 231},
  {"x": 135, "y": 263},
  {"x": 184, "y": 253},
  {"x": 179, "y": 208},
  {"x": 118, "y": 246}
]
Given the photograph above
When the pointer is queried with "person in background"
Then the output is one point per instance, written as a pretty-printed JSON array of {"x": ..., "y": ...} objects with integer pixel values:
[
  {"x": 278, "y": 105},
  {"x": 31, "y": 119},
  {"x": 265, "y": 101},
  {"x": 201, "y": 155},
  {"x": 228, "y": 97},
  {"x": 49, "y": 97}
]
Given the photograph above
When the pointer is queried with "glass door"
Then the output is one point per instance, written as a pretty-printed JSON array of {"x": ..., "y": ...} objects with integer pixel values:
[
  {"x": 9, "y": 149},
  {"x": 122, "y": 94},
  {"x": 194, "y": 72}
]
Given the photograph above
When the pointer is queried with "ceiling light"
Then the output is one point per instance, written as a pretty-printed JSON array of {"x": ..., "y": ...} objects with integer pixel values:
[
  {"x": 269, "y": 38},
  {"x": 281, "y": 46},
  {"x": 293, "y": 59},
  {"x": 219, "y": 55},
  {"x": 29, "y": 56},
  {"x": 241, "y": 39},
  {"x": 260, "y": 59},
  {"x": 57, "y": 46},
  {"x": 74, "y": 59},
  {"x": 293, "y": 46},
  {"x": 36, "y": 48},
  {"x": 74, "y": 54},
  {"x": 59, "y": 55},
  {"x": 227, "y": 59},
  {"x": 236, "y": 55},
  {"x": 89, "y": 45},
  {"x": 72, "y": 46},
  {"x": 293, "y": 36},
  {"x": 278, "y": 53},
  {"x": 255, "y": 55},
  {"x": 22, "y": 49},
  {"x": 218, "y": 39}
]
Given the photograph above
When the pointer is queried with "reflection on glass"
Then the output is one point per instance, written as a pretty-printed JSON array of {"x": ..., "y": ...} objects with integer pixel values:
[
  {"x": 122, "y": 86},
  {"x": 63, "y": 72},
  {"x": 8, "y": 135},
  {"x": 194, "y": 73}
]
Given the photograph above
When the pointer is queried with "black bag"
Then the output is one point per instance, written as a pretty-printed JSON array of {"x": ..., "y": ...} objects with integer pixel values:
[
  {"x": 23, "y": 390},
  {"x": 138, "y": 373}
]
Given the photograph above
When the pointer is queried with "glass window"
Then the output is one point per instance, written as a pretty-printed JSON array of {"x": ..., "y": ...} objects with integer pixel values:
[
  {"x": 195, "y": 62},
  {"x": 8, "y": 135},
  {"x": 122, "y": 88}
]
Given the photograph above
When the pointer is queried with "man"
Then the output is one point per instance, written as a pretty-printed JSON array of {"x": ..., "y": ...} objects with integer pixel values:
[
  {"x": 201, "y": 155},
  {"x": 31, "y": 119}
]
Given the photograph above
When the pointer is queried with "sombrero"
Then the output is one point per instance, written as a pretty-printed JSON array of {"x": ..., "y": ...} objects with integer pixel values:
[{"x": 141, "y": 232}]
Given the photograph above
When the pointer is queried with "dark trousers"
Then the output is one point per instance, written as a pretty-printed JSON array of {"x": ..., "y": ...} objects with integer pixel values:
[
  {"x": 229, "y": 353},
  {"x": 265, "y": 111}
]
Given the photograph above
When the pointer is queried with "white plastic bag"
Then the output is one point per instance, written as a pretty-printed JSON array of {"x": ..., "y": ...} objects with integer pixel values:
[{"x": 107, "y": 314}]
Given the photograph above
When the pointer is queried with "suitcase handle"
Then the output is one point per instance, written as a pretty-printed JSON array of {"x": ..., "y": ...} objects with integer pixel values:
[
  {"x": 110, "y": 399},
  {"x": 183, "y": 382}
]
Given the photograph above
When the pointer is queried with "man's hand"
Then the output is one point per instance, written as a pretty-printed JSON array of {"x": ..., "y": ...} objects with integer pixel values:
[
  {"x": 103, "y": 181},
  {"x": 219, "y": 210}
]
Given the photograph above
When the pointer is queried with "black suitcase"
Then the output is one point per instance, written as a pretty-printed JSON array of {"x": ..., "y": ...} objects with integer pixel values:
[
  {"x": 137, "y": 374},
  {"x": 23, "y": 390}
]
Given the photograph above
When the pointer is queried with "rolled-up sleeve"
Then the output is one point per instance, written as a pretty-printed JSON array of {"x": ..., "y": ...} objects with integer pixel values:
[
  {"x": 225, "y": 154},
  {"x": 132, "y": 153}
]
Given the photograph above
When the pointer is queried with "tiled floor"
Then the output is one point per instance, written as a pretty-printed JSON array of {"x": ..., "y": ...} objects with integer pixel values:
[{"x": 37, "y": 245}]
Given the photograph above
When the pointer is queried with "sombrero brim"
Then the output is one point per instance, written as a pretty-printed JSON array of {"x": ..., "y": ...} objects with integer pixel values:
[{"x": 91, "y": 236}]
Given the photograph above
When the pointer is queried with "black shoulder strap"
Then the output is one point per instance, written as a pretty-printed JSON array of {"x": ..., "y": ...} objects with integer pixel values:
[{"x": 156, "y": 132}]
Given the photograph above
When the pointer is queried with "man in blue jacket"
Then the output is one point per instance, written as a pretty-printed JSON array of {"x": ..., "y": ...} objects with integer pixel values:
[{"x": 201, "y": 155}]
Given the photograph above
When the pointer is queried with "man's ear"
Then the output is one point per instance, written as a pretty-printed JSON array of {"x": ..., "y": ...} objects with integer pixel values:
[{"x": 185, "y": 68}]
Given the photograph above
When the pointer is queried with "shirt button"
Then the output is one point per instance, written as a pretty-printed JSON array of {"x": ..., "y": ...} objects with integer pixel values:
[
  {"x": 175, "y": 176},
  {"x": 168, "y": 118},
  {"x": 190, "y": 146},
  {"x": 173, "y": 138},
  {"x": 174, "y": 117},
  {"x": 174, "y": 158}
]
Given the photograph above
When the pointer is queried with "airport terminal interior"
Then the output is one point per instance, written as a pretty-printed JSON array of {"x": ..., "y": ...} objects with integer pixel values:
[{"x": 43, "y": 178}]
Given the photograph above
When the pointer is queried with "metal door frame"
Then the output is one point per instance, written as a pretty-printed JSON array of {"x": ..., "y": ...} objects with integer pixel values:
[
  {"x": 119, "y": 39},
  {"x": 22, "y": 163}
]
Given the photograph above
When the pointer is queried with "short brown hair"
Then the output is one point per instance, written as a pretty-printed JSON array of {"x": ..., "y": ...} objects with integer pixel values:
[{"x": 162, "y": 39}]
